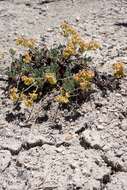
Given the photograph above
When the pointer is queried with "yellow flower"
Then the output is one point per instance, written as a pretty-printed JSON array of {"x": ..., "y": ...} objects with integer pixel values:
[
  {"x": 28, "y": 43},
  {"x": 28, "y": 102},
  {"x": 27, "y": 58},
  {"x": 33, "y": 95},
  {"x": 76, "y": 39},
  {"x": 63, "y": 98},
  {"x": 51, "y": 78},
  {"x": 118, "y": 69},
  {"x": 93, "y": 45},
  {"x": 22, "y": 96},
  {"x": 13, "y": 94},
  {"x": 76, "y": 77},
  {"x": 84, "y": 75},
  {"x": 70, "y": 50},
  {"x": 85, "y": 85},
  {"x": 79, "y": 43},
  {"x": 27, "y": 80},
  {"x": 67, "y": 29},
  {"x": 76, "y": 44},
  {"x": 84, "y": 78},
  {"x": 88, "y": 74}
]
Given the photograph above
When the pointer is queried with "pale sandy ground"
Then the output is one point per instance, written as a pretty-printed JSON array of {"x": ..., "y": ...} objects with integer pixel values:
[{"x": 89, "y": 153}]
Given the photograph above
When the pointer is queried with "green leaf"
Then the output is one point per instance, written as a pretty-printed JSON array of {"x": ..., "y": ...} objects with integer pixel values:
[
  {"x": 67, "y": 73},
  {"x": 54, "y": 67},
  {"x": 69, "y": 85}
]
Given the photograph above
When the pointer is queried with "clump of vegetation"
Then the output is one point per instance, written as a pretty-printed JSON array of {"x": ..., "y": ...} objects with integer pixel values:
[{"x": 63, "y": 70}]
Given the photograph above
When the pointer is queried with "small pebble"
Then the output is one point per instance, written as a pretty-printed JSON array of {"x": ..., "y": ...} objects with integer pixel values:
[
  {"x": 77, "y": 18},
  {"x": 50, "y": 30},
  {"x": 100, "y": 127}
]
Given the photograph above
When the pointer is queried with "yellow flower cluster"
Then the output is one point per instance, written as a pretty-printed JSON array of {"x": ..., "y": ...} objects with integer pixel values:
[
  {"x": 29, "y": 100},
  {"x": 14, "y": 96},
  {"x": 76, "y": 44},
  {"x": 27, "y": 58},
  {"x": 63, "y": 98},
  {"x": 51, "y": 78},
  {"x": 119, "y": 69},
  {"x": 27, "y": 80},
  {"x": 67, "y": 29},
  {"x": 93, "y": 45},
  {"x": 84, "y": 79},
  {"x": 69, "y": 50},
  {"x": 33, "y": 95},
  {"x": 28, "y": 43}
]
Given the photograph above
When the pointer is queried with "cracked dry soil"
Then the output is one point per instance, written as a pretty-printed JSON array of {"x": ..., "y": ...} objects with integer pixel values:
[{"x": 90, "y": 152}]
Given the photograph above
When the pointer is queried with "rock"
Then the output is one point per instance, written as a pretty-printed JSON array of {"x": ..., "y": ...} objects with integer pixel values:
[
  {"x": 100, "y": 127},
  {"x": 123, "y": 125},
  {"x": 50, "y": 30},
  {"x": 25, "y": 125},
  {"x": 77, "y": 19},
  {"x": 68, "y": 136},
  {"x": 94, "y": 184},
  {"x": 114, "y": 162},
  {"x": 31, "y": 22},
  {"x": 118, "y": 181},
  {"x": 13, "y": 146},
  {"x": 36, "y": 17},
  {"x": 92, "y": 138},
  {"x": 5, "y": 159},
  {"x": 35, "y": 140}
]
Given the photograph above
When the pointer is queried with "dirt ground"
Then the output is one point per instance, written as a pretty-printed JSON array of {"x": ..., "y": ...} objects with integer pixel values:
[{"x": 87, "y": 152}]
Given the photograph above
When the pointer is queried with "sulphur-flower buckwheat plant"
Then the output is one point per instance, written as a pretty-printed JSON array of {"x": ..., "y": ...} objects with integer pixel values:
[
  {"x": 41, "y": 71},
  {"x": 62, "y": 73}
]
